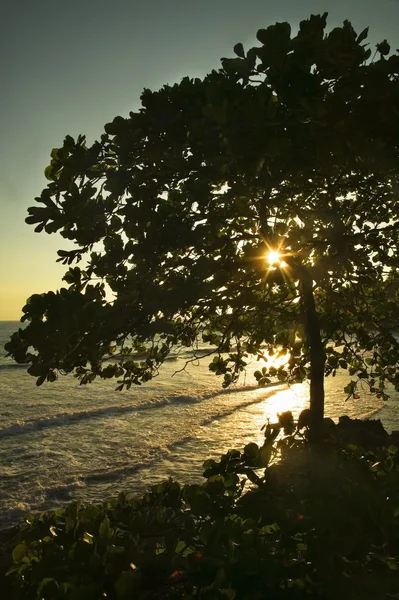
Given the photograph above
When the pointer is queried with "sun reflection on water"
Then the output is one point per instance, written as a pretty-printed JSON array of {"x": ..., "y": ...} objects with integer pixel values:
[
  {"x": 264, "y": 404},
  {"x": 294, "y": 398}
]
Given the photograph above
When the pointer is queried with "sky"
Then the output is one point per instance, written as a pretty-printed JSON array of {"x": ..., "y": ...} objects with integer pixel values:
[{"x": 70, "y": 67}]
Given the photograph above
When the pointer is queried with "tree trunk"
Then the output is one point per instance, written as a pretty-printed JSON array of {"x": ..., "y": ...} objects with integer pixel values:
[{"x": 317, "y": 353}]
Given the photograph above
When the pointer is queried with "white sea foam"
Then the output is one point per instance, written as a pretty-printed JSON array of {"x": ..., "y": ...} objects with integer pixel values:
[{"x": 63, "y": 441}]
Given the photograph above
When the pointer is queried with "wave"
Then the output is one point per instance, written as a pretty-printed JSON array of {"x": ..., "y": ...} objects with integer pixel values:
[
  {"x": 233, "y": 409},
  {"x": 66, "y": 418},
  {"x": 162, "y": 453},
  {"x": 201, "y": 353},
  {"x": 63, "y": 491},
  {"x": 13, "y": 365},
  {"x": 371, "y": 412},
  {"x": 11, "y": 515}
]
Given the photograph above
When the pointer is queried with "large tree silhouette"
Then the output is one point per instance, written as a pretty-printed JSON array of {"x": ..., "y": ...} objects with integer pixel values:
[{"x": 291, "y": 147}]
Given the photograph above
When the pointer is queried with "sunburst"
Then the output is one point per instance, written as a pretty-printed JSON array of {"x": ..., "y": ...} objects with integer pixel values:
[{"x": 273, "y": 257}]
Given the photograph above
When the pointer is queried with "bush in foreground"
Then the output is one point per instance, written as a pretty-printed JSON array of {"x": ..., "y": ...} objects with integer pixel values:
[{"x": 322, "y": 524}]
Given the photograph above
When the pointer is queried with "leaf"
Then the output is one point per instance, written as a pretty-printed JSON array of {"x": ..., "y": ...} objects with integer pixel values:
[
  {"x": 19, "y": 552},
  {"x": 40, "y": 380},
  {"x": 122, "y": 499},
  {"x": 302, "y": 547},
  {"x": 392, "y": 289},
  {"x": 87, "y": 538},
  {"x": 48, "y": 173},
  {"x": 348, "y": 389},
  {"x": 275, "y": 37},
  {"x": 231, "y": 480},
  {"x": 252, "y": 55},
  {"x": 54, "y": 153},
  {"x": 367, "y": 54},
  {"x": 251, "y": 451},
  {"x": 363, "y": 35},
  {"x": 268, "y": 529},
  {"x": 180, "y": 546},
  {"x": 51, "y": 376},
  {"x": 230, "y": 593},
  {"x": 252, "y": 476},
  {"x": 105, "y": 530},
  {"x": 125, "y": 585},
  {"x": 383, "y": 48},
  {"x": 262, "y": 36},
  {"x": 45, "y": 584},
  {"x": 239, "y": 50}
]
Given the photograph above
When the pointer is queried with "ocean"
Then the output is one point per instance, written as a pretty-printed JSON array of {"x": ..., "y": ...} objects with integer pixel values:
[{"x": 64, "y": 441}]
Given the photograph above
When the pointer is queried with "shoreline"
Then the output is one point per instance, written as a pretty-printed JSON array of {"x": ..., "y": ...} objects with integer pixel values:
[
  {"x": 290, "y": 471},
  {"x": 367, "y": 432},
  {"x": 19, "y": 513}
]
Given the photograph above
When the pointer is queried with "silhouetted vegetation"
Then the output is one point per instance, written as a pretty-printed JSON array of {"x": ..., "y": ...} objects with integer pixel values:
[
  {"x": 292, "y": 146},
  {"x": 323, "y": 524}
]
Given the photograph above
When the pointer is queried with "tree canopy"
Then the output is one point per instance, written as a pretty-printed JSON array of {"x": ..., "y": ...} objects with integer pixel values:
[{"x": 291, "y": 147}]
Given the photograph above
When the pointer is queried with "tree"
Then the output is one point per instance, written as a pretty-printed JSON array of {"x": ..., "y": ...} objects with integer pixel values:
[{"x": 291, "y": 148}]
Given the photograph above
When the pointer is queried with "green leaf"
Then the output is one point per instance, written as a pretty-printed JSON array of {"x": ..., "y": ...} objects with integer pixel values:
[
  {"x": 231, "y": 480},
  {"x": 48, "y": 588},
  {"x": 125, "y": 585},
  {"x": 54, "y": 153},
  {"x": 105, "y": 530},
  {"x": 229, "y": 593},
  {"x": 302, "y": 547},
  {"x": 48, "y": 173},
  {"x": 19, "y": 552},
  {"x": 88, "y": 538},
  {"x": 268, "y": 529},
  {"x": 180, "y": 546}
]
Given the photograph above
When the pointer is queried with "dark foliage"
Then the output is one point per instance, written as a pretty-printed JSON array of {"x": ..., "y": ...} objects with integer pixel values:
[
  {"x": 324, "y": 524},
  {"x": 292, "y": 145}
]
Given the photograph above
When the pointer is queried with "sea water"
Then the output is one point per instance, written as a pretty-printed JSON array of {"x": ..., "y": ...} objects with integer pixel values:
[{"x": 65, "y": 441}]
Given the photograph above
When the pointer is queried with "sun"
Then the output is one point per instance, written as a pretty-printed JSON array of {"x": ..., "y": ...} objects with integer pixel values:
[{"x": 273, "y": 257}]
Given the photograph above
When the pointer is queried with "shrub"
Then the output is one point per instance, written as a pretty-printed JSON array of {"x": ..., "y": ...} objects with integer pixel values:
[{"x": 327, "y": 528}]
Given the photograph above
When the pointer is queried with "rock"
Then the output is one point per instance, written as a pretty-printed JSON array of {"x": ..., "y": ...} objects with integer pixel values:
[{"x": 368, "y": 433}]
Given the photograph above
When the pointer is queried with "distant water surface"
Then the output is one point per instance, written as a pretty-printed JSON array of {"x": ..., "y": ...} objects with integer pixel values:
[{"x": 65, "y": 441}]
